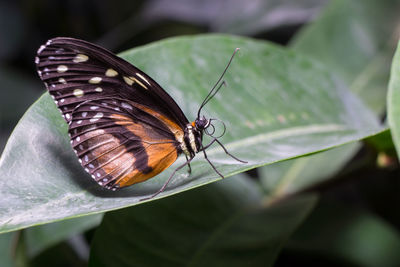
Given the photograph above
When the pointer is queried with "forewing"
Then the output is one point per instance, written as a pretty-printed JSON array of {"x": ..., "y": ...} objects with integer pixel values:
[{"x": 75, "y": 71}]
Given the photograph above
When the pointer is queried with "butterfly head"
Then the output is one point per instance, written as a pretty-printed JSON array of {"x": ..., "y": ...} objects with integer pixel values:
[
  {"x": 206, "y": 125},
  {"x": 201, "y": 123}
]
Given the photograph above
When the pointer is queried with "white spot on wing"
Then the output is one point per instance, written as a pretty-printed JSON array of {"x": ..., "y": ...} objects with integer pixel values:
[
  {"x": 80, "y": 58},
  {"x": 139, "y": 82},
  {"x": 95, "y": 80},
  {"x": 99, "y": 89},
  {"x": 143, "y": 78},
  {"x": 62, "y": 80},
  {"x": 111, "y": 73},
  {"x": 128, "y": 80},
  {"x": 62, "y": 68},
  {"x": 126, "y": 105},
  {"x": 41, "y": 48},
  {"x": 96, "y": 117},
  {"x": 78, "y": 92}
]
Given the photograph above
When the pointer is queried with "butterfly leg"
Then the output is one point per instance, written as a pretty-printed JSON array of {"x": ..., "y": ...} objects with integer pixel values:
[
  {"x": 210, "y": 144},
  {"x": 190, "y": 168},
  {"x": 225, "y": 150},
  {"x": 229, "y": 154},
  {"x": 212, "y": 165},
  {"x": 169, "y": 180}
]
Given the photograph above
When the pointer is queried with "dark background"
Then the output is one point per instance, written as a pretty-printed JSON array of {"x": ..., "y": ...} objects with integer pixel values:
[{"x": 121, "y": 25}]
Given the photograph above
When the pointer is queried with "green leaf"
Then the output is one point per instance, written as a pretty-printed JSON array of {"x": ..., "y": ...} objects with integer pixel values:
[
  {"x": 338, "y": 231},
  {"x": 362, "y": 63},
  {"x": 289, "y": 177},
  {"x": 7, "y": 249},
  {"x": 42, "y": 237},
  {"x": 356, "y": 40},
  {"x": 221, "y": 225},
  {"x": 277, "y": 105},
  {"x": 382, "y": 142},
  {"x": 393, "y": 101}
]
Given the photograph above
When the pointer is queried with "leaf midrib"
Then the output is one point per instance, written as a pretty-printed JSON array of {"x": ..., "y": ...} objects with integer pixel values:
[{"x": 283, "y": 133}]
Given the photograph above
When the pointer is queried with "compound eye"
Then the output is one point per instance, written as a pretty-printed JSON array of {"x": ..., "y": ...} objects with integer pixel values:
[{"x": 206, "y": 123}]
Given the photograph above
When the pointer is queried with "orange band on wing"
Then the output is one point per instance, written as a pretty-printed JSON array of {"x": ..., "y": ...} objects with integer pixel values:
[
  {"x": 172, "y": 126},
  {"x": 161, "y": 156},
  {"x": 161, "y": 153}
]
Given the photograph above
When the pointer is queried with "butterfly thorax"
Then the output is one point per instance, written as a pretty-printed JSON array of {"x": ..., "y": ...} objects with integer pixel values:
[
  {"x": 191, "y": 141},
  {"x": 193, "y": 137}
]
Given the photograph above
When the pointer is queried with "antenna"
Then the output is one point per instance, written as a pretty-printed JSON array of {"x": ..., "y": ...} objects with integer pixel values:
[{"x": 215, "y": 89}]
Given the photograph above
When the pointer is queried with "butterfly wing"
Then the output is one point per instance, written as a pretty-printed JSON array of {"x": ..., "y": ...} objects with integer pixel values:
[
  {"x": 123, "y": 126},
  {"x": 75, "y": 71},
  {"x": 120, "y": 142}
]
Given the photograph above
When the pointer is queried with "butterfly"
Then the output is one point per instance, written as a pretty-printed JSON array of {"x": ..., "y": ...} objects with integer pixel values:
[{"x": 123, "y": 127}]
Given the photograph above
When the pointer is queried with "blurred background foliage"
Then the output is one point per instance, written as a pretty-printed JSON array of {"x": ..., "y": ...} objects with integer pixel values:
[
  {"x": 25, "y": 25},
  {"x": 356, "y": 221}
]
